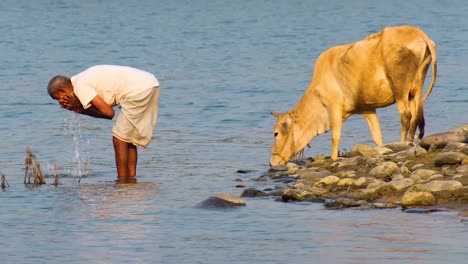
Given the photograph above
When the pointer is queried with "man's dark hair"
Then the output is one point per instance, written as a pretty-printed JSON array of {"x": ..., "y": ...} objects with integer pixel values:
[{"x": 57, "y": 84}]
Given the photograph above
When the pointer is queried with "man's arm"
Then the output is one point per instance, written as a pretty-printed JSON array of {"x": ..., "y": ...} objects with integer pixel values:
[{"x": 98, "y": 107}]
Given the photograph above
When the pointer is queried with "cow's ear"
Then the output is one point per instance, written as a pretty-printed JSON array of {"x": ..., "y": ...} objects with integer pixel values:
[{"x": 275, "y": 114}]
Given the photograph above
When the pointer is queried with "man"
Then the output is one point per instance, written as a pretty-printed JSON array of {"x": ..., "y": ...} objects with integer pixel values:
[{"x": 96, "y": 90}]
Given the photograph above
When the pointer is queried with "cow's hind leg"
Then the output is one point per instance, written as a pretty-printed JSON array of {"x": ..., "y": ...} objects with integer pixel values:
[
  {"x": 374, "y": 126},
  {"x": 415, "y": 104},
  {"x": 415, "y": 116},
  {"x": 405, "y": 116}
]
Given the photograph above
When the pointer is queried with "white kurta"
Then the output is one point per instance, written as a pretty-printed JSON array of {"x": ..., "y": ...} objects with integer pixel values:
[{"x": 134, "y": 90}]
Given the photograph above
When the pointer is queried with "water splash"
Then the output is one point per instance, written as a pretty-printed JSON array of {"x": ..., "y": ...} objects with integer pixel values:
[{"x": 74, "y": 129}]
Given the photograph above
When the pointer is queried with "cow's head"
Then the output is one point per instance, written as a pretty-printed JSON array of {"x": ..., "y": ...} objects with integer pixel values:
[{"x": 284, "y": 148}]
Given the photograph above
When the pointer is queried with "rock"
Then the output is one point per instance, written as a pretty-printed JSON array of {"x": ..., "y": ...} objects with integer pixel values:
[
  {"x": 417, "y": 195},
  {"x": 381, "y": 150},
  {"x": 375, "y": 183},
  {"x": 252, "y": 192},
  {"x": 363, "y": 150},
  {"x": 346, "y": 182},
  {"x": 291, "y": 195},
  {"x": 244, "y": 171},
  {"x": 440, "y": 140},
  {"x": 436, "y": 176},
  {"x": 464, "y": 150},
  {"x": 345, "y": 174},
  {"x": 291, "y": 168},
  {"x": 384, "y": 169},
  {"x": 279, "y": 168},
  {"x": 405, "y": 171},
  {"x": 419, "y": 211},
  {"x": 412, "y": 152},
  {"x": 222, "y": 201},
  {"x": 385, "y": 189},
  {"x": 401, "y": 184},
  {"x": 449, "y": 185},
  {"x": 345, "y": 163},
  {"x": 463, "y": 170},
  {"x": 463, "y": 179},
  {"x": 454, "y": 146},
  {"x": 417, "y": 166},
  {"x": 383, "y": 205},
  {"x": 329, "y": 180},
  {"x": 421, "y": 174},
  {"x": 463, "y": 214},
  {"x": 399, "y": 146},
  {"x": 310, "y": 176},
  {"x": 339, "y": 203},
  {"x": 323, "y": 173},
  {"x": 317, "y": 191},
  {"x": 448, "y": 158},
  {"x": 361, "y": 182}
]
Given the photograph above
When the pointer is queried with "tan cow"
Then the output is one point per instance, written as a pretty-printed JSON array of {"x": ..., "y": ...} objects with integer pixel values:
[{"x": 385, "y": 68}]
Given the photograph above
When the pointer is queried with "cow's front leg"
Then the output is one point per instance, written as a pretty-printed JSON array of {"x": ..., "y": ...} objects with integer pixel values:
[
  {"x": 374, "y": 126},
  {"x": 336, "y": 121}
]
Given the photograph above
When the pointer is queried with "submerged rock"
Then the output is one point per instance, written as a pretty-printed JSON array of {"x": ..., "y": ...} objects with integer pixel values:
[
  {"x": 341, "y": 202},
  {"x": 222, "y": 201},
  {"x": 252, "y": 192},
  {"x": 290, "y": 195}
]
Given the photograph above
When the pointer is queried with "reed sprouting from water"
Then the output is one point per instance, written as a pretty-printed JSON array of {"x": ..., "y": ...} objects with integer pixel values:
[
  {"x": 4, "y": 181},
  {"x": 32, "y": 167},
  {"x": 56, "y": 176}
]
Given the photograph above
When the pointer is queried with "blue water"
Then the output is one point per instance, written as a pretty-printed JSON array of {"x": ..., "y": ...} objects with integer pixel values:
[{"x": 223, "y": 67}]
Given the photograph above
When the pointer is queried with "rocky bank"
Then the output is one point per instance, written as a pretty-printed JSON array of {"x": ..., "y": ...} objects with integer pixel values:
[{"x": 428, "y": 175}]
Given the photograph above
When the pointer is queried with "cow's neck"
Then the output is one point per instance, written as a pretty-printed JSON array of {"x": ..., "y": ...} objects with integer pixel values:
[{"x": 311, "y": 119}]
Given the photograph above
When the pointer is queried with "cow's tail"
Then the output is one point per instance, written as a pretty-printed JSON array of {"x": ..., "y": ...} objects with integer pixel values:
[{"x": 431, "y": 46}]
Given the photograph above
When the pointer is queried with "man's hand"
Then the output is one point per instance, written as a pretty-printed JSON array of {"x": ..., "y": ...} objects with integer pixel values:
[{"x": 71, "y": 103}]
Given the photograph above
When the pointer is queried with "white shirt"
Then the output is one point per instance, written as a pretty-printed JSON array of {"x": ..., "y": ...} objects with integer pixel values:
[{"x": 112, "y": 83}]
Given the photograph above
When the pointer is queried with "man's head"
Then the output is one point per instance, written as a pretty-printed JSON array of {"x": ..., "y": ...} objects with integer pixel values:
[{"x": 60, "y": 86}]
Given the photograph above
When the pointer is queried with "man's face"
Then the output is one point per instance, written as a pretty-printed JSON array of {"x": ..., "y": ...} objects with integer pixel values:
[{"x": 62, "y": 94}]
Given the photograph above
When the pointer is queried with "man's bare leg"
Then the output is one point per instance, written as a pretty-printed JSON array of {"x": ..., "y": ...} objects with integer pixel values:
[
  {"x": 121, "y": 157},
  {"x": 132, "y": 160}
]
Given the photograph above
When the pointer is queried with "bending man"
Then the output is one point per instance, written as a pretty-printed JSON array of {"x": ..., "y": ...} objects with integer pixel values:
[{"x": 96, "y": 90}]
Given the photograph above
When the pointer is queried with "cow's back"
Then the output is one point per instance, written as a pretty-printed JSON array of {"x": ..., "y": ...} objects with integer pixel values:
[{"x": 364, "y": 73}]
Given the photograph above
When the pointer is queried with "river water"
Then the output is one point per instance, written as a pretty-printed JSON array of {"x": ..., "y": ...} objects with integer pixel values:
[{"x": 223, "y": 67}]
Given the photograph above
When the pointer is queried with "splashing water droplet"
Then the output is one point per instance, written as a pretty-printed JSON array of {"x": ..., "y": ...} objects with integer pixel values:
[{"x": 74, "y": 128}]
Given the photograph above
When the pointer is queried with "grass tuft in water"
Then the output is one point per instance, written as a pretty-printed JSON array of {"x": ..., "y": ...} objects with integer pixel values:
[
  {"x": 32, "y": 167},
  {"x": 56, "y": 176},
  {"x": 4, "y": 181}
]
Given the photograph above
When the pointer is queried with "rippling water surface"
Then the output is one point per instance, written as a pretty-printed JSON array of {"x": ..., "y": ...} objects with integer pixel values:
[{"x": 223, "y": 67}]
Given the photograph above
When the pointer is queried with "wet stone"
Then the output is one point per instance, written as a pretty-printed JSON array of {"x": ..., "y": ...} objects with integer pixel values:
[
  {"x": 290, "y": 195},
  {"x": 419, "y": 211},
  {"x": 252, "y": 192}
]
